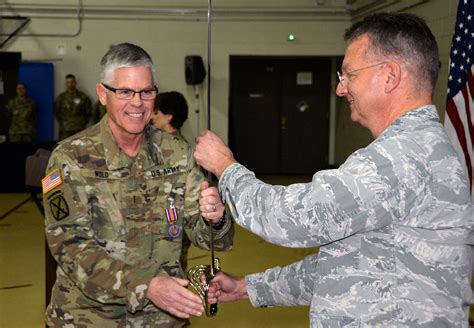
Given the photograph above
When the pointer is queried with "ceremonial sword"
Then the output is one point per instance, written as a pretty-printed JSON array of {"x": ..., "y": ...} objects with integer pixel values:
[
  {"x": 196, "y": 273},
  {"x": 213, "y": 307}
]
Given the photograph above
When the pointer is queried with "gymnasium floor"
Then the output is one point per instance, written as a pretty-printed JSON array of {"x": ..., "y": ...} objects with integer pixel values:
[{"x": 22, "y": 272}]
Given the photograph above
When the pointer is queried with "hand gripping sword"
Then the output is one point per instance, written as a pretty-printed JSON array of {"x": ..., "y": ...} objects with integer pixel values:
[{"x": 196, "y": 273}]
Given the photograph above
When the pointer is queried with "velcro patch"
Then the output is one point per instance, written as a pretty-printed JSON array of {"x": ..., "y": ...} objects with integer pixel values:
[
  {"x": 52, "y": 180},
  {"x": 58, "y": 206}
]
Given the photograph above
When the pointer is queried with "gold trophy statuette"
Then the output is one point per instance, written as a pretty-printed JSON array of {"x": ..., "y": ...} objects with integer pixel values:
[{"x": 200, "y": 286}]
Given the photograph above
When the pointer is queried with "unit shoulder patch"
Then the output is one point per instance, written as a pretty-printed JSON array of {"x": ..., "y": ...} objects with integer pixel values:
[{"x": 58, "y": 206}]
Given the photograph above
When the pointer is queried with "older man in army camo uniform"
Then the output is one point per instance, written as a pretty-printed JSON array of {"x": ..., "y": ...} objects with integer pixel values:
[
  {"x": 394, "y": 223},
  {"x": 21, "y": 115},
  {"x": 117, "y": 199},
  {"x": 72, "y": 109}
]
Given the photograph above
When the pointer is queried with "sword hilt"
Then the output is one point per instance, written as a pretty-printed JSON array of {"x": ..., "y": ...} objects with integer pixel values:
[{"x": 200, "y": 287}]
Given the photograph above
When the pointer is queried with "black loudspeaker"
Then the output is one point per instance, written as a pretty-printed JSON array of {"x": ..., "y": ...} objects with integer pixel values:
[{"x": 194, "y": 70}]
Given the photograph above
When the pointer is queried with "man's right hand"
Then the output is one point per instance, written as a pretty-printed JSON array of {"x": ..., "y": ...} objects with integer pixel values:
[
  {"x": 212, "y": 154},
  {"x": 225, "y": 288},
  {"x": 170, "y": 294}
]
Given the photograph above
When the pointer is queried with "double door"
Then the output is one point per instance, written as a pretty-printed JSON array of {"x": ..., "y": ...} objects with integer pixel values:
[{"x": 279, "y": 113}]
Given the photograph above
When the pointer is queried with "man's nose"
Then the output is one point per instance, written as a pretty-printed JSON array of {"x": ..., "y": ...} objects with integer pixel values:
[
  {"x": 136, "y": 99},
  {"x": 341, "y": 90}
]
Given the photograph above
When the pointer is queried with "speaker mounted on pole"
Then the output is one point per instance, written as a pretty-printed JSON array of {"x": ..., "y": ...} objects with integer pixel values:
[{"x": 194, "y": 69}]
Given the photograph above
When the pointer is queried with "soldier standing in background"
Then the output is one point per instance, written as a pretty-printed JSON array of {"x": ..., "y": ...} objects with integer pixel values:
[
  {"x": 21, "y": 115},
  {"x": 72, "y": 109}
]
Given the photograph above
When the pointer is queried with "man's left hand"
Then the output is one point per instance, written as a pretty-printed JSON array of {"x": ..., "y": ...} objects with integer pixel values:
[
  {"x": 210, "y": 203},
  {"x": 170, "y": 294}
]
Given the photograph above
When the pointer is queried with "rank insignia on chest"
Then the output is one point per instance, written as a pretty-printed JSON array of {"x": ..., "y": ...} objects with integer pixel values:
[
  {"x": 174, "y": 230},
  {"x": 171, "y": 214},
  {"x": 51, "y": 181}
]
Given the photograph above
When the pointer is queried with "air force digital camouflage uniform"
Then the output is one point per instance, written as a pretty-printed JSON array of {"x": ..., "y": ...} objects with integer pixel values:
[
  {"x": 73, "y": 111},
  {"x": 21, "y": 114},
  {"x": 106, "y": 226},
  {"x": 395, "y": 228}
]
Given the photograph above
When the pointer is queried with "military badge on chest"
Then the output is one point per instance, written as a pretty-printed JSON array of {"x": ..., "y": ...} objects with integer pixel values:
[{"x": 174, "y": 230}]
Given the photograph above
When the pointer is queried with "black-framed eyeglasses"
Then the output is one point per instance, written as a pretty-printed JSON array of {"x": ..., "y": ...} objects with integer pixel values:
[{"x": 127, "y": 94}]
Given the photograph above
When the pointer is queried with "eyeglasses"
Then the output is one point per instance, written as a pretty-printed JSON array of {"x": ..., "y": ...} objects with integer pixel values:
[
  {"x": 346, "y": 77},
  {"x": 127, "y": 94}
]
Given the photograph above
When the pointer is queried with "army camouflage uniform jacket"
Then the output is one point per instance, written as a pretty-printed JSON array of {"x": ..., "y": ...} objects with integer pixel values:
[
  {"x": 108, "y": 229},
  {"x": 395, "y": 228},
  {"x": 73, "y": 111},
  {"x": 21, "y": 114}
]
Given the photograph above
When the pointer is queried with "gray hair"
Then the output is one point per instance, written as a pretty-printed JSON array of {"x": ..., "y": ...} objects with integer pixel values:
[
  {"x": 123, "y": 55},
  {"x": 403, "y": 36}
]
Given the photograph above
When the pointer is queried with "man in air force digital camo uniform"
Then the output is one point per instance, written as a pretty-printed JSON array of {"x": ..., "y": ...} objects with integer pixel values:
[
  {"x": 21, "y": 115},
  {"x": 394, "y": 223},
  {"x": 117, "y": 198},
  {"x": 72, "y": 109}
]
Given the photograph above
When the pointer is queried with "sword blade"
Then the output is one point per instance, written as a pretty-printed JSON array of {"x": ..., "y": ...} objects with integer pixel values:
[
  {"x": 213, "y": 307},
  {"x": 209, "y": 29}
]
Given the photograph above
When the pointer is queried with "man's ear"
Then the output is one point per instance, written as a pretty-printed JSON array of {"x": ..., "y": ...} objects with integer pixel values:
[
  {"x": 101, "y": 93},
  {"x": 168, "y": 117},
  {"x": 394, "y": 76}
]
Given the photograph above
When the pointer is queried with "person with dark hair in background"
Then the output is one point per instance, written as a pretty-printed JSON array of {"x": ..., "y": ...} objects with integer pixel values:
[
  {"x": 169, "y": 114},
  {"x": 21, "y": 115},
  {"x": 118, "y": 196},
  {"x": 98, "y": 111},
  {"x": 72, "y": 109},
  {"x": 394, "y": 223}
]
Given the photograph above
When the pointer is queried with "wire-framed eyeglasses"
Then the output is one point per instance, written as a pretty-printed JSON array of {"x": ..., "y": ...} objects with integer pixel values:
[
  {"x": 127, "y": 94},
  {"x": 345, "y": 77}
]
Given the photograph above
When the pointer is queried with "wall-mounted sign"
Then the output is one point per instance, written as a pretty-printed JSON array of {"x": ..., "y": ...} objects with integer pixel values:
[{"x": 304, "y": 78}]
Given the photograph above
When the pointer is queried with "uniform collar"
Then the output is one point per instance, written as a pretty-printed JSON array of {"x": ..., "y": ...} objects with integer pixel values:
[
  {"x": 413, "y": 119},
  {"x": 149, "y": 155}
]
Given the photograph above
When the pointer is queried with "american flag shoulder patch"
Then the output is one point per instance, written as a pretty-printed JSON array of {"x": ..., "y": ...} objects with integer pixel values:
[{"x": 51, "y": 181}]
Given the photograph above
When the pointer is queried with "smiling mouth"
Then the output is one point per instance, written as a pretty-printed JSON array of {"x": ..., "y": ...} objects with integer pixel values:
[{"x": 135, "y": 115}]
